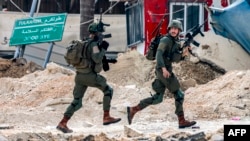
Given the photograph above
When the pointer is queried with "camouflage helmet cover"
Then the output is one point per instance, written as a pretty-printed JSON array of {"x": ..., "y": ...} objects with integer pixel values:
[
  {"x": 93, "y": 28},
  {"x": 175, "y": 23}
]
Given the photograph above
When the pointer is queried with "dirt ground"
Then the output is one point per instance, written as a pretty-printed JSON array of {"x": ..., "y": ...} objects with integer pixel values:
[{"x": 32, "y": 101}]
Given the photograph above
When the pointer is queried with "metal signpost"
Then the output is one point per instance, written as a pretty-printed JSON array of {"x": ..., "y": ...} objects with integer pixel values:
[{"x": 38, "y": 30}]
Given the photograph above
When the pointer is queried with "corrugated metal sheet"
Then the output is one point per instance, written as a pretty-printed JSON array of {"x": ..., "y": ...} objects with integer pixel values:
[{"x": 38, "y": 52}]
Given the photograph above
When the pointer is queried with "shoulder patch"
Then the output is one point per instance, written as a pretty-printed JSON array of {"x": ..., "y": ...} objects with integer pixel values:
[{"x": 96, "y": 49}]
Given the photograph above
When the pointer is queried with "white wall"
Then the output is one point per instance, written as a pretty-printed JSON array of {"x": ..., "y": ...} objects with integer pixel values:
[{"x": 222, "y": 51}]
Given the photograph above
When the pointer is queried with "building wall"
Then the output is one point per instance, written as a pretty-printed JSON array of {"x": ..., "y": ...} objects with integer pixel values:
[
  {"x": 57, "y": 6},
  {"x": 71, "y": 31}
]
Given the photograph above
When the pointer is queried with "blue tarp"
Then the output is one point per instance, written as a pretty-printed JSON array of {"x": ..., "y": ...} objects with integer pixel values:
[{"x": 233, "y": 22}]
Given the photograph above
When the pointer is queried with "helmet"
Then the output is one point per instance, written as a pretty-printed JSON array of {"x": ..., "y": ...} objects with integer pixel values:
[
  {"x": 93, "y": 28},
  {"x": 175, "y": 23}
]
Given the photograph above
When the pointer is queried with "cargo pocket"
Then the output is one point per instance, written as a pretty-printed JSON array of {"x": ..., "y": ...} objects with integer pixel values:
[
  {"x": 98, "y": 67},
  {"x": 173, "y": 83},
  {"x": 158, "y": 86},
  {"x": 100, "y": 82}
]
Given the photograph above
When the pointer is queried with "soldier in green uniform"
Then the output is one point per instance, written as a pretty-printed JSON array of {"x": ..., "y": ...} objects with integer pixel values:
[
  {"x": 88, "y": 76},
  {"x": 168, "y": 51}
]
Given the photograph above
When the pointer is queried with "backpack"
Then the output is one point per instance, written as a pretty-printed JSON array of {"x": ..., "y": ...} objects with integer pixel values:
[
  {"x": 150, "y": 55},
  {"x": 76, "y": 53}
]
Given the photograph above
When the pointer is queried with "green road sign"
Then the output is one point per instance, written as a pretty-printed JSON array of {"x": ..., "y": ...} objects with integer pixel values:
[{"x": 38, "y": 29}]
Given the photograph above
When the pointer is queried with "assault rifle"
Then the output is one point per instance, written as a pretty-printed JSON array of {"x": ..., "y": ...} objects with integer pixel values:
[
  {"x": 189, "y": 37},
  {"x": 104, "y": 44},
  {"x": 156, "y": 34}
]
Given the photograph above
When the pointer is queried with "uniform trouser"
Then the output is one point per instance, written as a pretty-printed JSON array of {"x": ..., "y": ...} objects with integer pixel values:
[
  {"x": 159, "y": 86},
  {"x": 82, "y": 82}
]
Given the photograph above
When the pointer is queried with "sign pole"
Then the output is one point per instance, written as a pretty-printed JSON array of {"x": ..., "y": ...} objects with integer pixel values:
[
  {"x": 48, "y": 54},
  {"x": 20, "y": 49}
]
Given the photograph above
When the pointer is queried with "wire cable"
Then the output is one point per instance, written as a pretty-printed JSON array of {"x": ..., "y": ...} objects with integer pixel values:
[
  {"x": 102, "y": 13},
  {"x": 19, "y": 8},
  {"x": 70, "y": 25}
]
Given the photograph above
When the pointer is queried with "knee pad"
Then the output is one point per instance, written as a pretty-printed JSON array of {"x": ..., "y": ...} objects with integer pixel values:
[
  {"x": 179, "y": 95},
  {"x": 158, "y": 86},
  {"x": 157, "y": 98},
  {"x": 108, "y": 92},
  {"x": 77, "y": 103}
]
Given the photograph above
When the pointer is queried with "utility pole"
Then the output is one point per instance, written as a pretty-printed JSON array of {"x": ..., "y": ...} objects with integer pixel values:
[
  {"x": 87, "y": 9},
  {"x": 1, "y": 5}
]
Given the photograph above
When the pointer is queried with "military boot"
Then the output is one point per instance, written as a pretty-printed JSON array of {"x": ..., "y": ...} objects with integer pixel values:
[
  {"x": 185, "y": 123},
  {"x": 62, "y": 126},
  {"x": 107, "y": 119},
  {"x": 131, "y": 112}
]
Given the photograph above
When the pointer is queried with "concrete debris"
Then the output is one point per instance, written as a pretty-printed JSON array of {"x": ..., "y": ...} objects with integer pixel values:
[{"x": 130, "y": 132}]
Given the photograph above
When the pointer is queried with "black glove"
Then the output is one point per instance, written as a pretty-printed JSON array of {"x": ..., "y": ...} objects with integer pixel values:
[
  {"x": 104, "y": 45},
  {"x": 111, "y": 60},
  {"x": 105, "y": 63}
]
